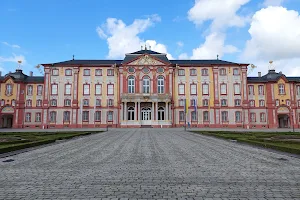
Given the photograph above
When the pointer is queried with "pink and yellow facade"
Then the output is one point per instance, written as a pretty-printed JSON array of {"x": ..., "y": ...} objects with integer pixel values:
[{"x": 146, "y": 89}]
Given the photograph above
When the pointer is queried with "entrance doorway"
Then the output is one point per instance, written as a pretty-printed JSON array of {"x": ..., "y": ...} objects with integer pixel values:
[
  {"x": 283, "y": 121},
  {"x": 7, "y": 121},
  {"x": 146, "y": 116}
]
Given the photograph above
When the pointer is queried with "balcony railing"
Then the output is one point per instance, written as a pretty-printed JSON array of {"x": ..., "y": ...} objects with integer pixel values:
[{"x": 145, "y": 96}]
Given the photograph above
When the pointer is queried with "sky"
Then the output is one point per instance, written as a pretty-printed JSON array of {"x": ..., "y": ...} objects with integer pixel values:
[{"x": 242, "y": 31}]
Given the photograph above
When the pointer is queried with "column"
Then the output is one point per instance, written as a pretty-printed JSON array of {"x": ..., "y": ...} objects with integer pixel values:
[
  {"x": 156, "y": 111},
  {"x": 125, "y": 111},
  {"x": 139, "y": 111},
  {"x": 135, "y": 111},
  {"x": 152, "y": 111},
  {"x": 167, "y": 112},
  {"x": 122, "y": 111}
]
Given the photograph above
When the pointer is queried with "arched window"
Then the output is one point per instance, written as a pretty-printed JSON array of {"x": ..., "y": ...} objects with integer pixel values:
[
  {"x": 146, "y": 85},
  {"x": 161, "y": 113},
  {"x": 131, "y": 84},
  {"x": 130, "y": 113},
  {"x": 160, "y": 85}
]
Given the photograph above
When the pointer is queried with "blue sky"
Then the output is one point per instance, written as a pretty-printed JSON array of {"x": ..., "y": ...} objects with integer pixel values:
[{"x": 52, "y": 31}]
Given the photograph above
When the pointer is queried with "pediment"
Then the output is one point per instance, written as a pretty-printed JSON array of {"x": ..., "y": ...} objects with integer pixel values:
[{"x": 146, "y": 60}]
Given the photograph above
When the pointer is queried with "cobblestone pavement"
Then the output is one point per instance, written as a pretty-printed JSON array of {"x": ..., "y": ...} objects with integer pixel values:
[{"x": 149, "y": 164}]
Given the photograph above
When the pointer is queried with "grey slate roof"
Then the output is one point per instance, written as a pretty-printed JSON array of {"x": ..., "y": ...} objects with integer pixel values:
[
  {"x": 271, "y": 76},
  {"x": 202, "y": 62},
  {"x": 88, "y": 62},
  {"x": 18, "y": 76}
]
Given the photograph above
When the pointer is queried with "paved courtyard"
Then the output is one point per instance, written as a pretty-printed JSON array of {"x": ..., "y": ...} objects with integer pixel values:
[{"x": 149, "y": 164}]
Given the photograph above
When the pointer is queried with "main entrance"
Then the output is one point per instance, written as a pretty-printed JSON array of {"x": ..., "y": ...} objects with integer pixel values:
[
  {"x": 6, "y": 121},
  {"x": 283, "y": 121},
  {"x": 146, "y": 116}
]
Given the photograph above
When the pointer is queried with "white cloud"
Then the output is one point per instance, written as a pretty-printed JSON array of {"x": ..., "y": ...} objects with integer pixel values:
[
  {"x": 15, "y": 58},
  {"x": 158, "y": 47},
  {"x": 122, "y": 38},
  {"x": 273, "y": 2},
  {"x": 222, "y": 13},
  {"x": 275, "y": 35},
  {"x": 180, "y": 44},
  {"x": 11, "y": 45},
  {"x": 183, "y": 56},
  {"x": 213, "y": 46}
]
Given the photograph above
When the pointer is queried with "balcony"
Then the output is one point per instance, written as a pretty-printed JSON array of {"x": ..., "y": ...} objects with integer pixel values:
[{"x": 129, "y": 97}]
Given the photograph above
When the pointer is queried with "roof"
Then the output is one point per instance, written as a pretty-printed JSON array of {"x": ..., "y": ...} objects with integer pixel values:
[
  {"x": 88, "y": 62},
  {"x": 147, "y": 52},
  {"x": 157, "y": 55},
  {"x": 18, "y": 76},
  {"x": 202, "y": 62},
  {"x": 271, "y": 76}
]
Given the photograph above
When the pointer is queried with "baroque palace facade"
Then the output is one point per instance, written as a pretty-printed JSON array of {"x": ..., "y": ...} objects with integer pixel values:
[{"x": 145, "y": 89}]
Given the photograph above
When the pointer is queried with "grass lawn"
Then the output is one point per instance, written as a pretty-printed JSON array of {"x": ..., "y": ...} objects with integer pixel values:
[
  {"x": 11, "y": 141},
  {"x": 283, "y": 141}
]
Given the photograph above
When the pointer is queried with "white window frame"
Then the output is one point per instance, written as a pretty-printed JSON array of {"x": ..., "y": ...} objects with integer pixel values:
[
  {"x": 52, "y": 117},
  {"x": 110, "y": 89},
  {"x": 261, "y": 103},
  {"x": 29, "y": 90},
  {"x": 252, "y": 117},
  {"x": 181, "y": 89},
  {"x": 181, "y": 72},
  {"x": 193, "y": 72},
  {"x": 223, "y": 102},
  {"x": 238, "y": 116},
  {"x": 98, "y": 89},
  {"x": 68, "y": 88},
  {"x": 28, "y": 117},
  {"x": 146, "y": 85},
  {"x": 68, "y": 72},
  {"x": 66, "y": 116},
  {"x": 131, "y": 84},
  {"x": 98, "y": 72},
  {"x": 205, "y": 102},
  {"x": 251, "y": 89},
  {"x": 281, "y": 89},
  {"x": 86, "y": 72},
  {"x": 260, "y": 90},
  {"x": 205, "y": 116},
  {"x": 181, "y": 116},
  {"x": 193, "y": 89},
  {"x": 262, "y": 117},
  {"x": 224, "y": 115},
  {"x": 67, "y": 102},
  {"x": 54, "y": 89},
  {"x": 237, "y": 102},
  {"x": 194, "y": 116},
  {"x": 38, "y": 117},
  {"x": 85, "y": 116},
  {"x": 237, "y": 89},
  {"x": 160, "y": 85},
  {"x": 98, "y": 102},
  {"x": 98, "y": 116},
  {"x": 205, "y": 89},
  {"x": 224, "y": 89},
  {"x": 110, "y": 72},
  {"x": 39, "y": 90},
  {"x": 86, "y": 89},
  {"x": 86, "y": 102}
]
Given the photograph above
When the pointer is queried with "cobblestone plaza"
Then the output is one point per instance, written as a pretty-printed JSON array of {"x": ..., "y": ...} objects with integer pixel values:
[{"x": 150, "y": 164}]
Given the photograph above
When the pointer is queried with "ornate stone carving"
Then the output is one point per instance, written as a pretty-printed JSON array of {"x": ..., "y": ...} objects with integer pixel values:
[{"x": 146, "y": 60}]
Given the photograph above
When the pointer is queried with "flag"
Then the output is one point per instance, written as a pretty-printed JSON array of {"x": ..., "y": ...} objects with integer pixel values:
[
  {"x": 195, "y": 105},
  {"x": 186, "y": 106}
]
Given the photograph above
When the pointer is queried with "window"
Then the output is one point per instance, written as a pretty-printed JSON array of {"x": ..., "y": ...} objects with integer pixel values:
[
  {"x": 110, "y": 89},
  {"x": 224, "y": 116},
  {"x": 236, "y": 71},
  {"x": 110, "y": 102},
  {"x": 13, "y": 102},
  {"x": 2, "y": 102},
  {"x": 237, "y": 102},
  {"x": 29, "y": 89},
  {"x": 98, "y": 72},
  {"x": 131, "y": 84},
  {"x": 28, "y": 103},
  {"x": 193, "y": 89},
  {"x": 86, "y": 89},
  {"x": 98, "y": 102},
  {"x": 181, "y": 116},
  {"x": 98, "y": 116},
  {"x": 98, "y": 89},
  {"x": 205, "y": 102},
  {"x": 39, "y": 90},
  {"x": 261, "y": 103},
  {"x": 181, "y": 102},
  {"x": 28, "y": 117},
  {"x": 223, "y": 89},
  {"x": 68, "y": 72},
  {"x": 281, "y": 89},
  {"x": 146, "y": 85},
  {"x": 161, "y": 85},
  {"x": 54, "y": 88},
  {"x": 68, "y": 89},
  {"x": 110, "y": 116},
  {"x": 130, "y": 113},
  {"x": 52, "y": 117},
  {"x": 277, "y": 102},
  {"x": 205, "y": 116},
  {"x": 181, "y": 89},
  {"x": 204, "y": 72},
  {"x": 66, "y": 116},
  {"x": 261, "y": 90},
  {"x": 252, "y": 103},
  {"x": 223, "y": 72},
  {"x": 38, "y": 117},
  {"x": 299, "y": 103},
  {"x": 85, "y": 116},
  {"x": 262, "y": 117},
  {"x": 55, "y": 72},
  {"x": 193, "y": 102},
  {"x": 86, "y": 72},
  {"x": 298, "y": 89},
  {"x": 288, "y": 102},
  {"x": 67, "y": 102},
  {"x": 8, "y": 89},
  {"x": 237, "y": 89},
  {"x": 161, "y": 113},
  {"x": 223, "y": 102},
  {"x": 53, "y": 102},
  {"x": 205, "y": 89},
  {"x": 194, "y": 116},
  {"x": 193, "y": 72},
  {"x": 181, "y": 72},
  {"x": 86, "y": 102},
  {"x": 110, "y": 72},
  {"x": 251, "y": 89},
  {"x": 238, "y": 116},
  {"x": 39, "y": 103},
  {"x": 252, "y": 117},
  {"x": 160, "y": 70}
]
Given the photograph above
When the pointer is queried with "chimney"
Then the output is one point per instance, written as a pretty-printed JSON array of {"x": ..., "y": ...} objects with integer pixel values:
[
  {"x": 259, "y": 74},
  {"x": 30, "y": 73}
]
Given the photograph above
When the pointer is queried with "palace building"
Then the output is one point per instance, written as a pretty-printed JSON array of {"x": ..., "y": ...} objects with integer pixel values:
[{"x": 146, "y": 89}]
